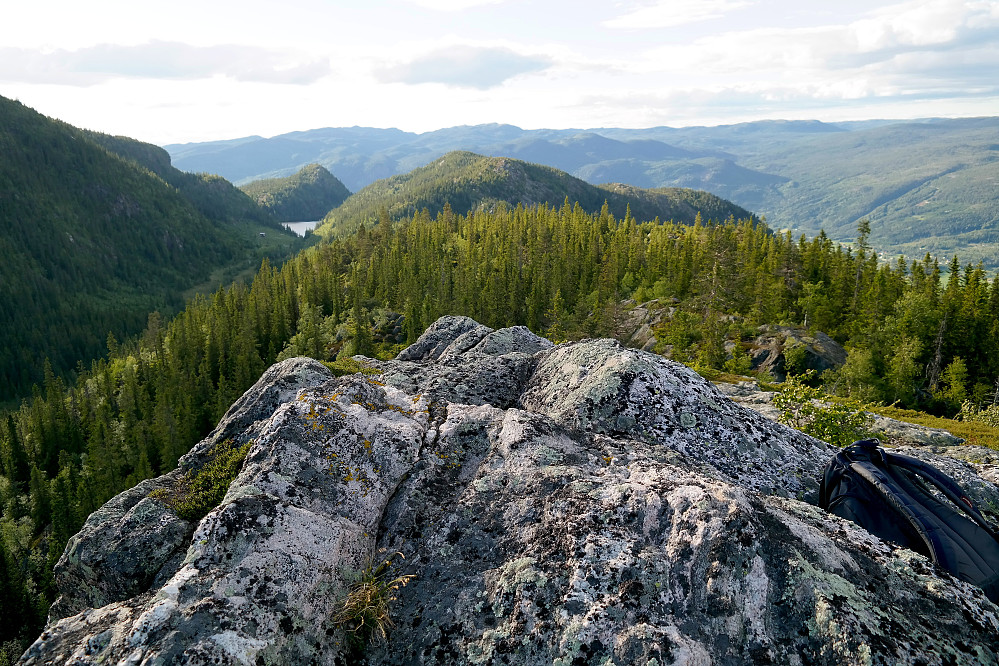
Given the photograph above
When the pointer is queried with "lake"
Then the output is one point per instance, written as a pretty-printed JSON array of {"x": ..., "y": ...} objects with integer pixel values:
[{"x": 301, "y": 227}]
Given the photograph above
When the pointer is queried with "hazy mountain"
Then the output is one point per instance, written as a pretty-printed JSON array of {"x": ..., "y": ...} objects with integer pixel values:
[
  {"x": 468, "y": 181},
  {"x": 359, "y": 156},
  {"x": 925, "y": 185},
  {"x": 305, "y": 196},
  {"x": 96, "y": 232}
]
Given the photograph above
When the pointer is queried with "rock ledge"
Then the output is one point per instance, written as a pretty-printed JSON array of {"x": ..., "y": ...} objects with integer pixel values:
[{"x": 574, "y": 504}]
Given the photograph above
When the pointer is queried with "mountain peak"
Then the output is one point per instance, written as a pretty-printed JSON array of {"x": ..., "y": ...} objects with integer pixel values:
[
  {"x": 468, "y": 181},
  {"x": 304, "y": 196}
]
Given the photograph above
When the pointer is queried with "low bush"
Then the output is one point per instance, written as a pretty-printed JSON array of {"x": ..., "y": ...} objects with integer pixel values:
[
  {"x": 811, "y": 411},
  {"x": 349, "y": 366},
  {"x": 199, "y": 491}
]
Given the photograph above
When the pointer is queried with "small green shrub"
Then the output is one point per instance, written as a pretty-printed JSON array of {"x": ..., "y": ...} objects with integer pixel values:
[
  {"x": 348, "y": 366},
  {"x": 741, "y": 362},
  {"x": 795, "y": 359},
  {"x": 975, "y": 414},
  {"x": 386, "y": 351},
  {"x": 809, "y": 410},
  {"x": 200, "y": 491},
  {"x": 364, "y": 612}
]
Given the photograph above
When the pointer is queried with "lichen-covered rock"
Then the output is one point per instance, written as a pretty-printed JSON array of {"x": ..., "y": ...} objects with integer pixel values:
[
  {"x": 440, "y": 336},
  {"x": 135, "y": 537},
  {"x": 544, "y": 548},
  {"x": 473, "y": 363},
  {"x": 640, "y": 320},
  {"x": 578, "y": 504},
  {"x": 818, "y": 352},
  {"x": 600, "y": 386},
  {"x": 893, "y": 432}
]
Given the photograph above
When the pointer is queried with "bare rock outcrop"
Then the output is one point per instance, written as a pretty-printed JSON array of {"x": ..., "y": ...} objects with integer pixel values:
[
  {"x": 816, "y": 351},
  {"x": 575, "y": 504}
]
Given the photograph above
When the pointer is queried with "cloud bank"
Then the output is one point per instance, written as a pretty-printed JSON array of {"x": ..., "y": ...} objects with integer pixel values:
[
  {"x": 465, "y": 67},
  {"x": 159, "y": 60},
  {"x": 452, "y": 5}
]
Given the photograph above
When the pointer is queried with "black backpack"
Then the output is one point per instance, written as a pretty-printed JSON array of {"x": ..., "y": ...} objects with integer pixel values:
[{"x": 890, "y": 496}]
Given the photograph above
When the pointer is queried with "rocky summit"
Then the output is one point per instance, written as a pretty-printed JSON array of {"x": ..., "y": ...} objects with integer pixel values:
[{"x": 563, "y": 505}]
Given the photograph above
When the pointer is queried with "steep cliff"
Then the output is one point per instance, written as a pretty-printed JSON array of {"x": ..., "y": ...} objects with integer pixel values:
[{"x": 569, "y": 505}]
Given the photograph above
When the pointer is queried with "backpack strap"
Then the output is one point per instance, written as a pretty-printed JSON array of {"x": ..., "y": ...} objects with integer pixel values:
[
  {"x": 830, "y": 478},
  {"x": 944, "y": 484}
]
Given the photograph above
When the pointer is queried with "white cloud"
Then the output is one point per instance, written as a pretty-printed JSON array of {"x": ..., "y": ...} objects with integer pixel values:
[
  {"x": 464, "y": 67},
  {"x": 672, "y": 13},
  {"x": 920, "y": 24},
  {"x": 887, "y": 50},
  {"x": 125, "y": 67},
  {"x": 159, "y": 60},
  {"x": 452, "y": 5}
]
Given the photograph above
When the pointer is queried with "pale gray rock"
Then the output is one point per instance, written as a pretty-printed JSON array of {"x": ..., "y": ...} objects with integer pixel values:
[
  {"x": 537, "y": 550},
  {"x": 474, "y": 364},
  {"x": 641, "y": 319},
  {"x": 440, "y": 336},
  {"x": 279, "y": 384},
  {"x": 899, "y": 433},
  {"x": 600, "y": 386},
  {"x": 569, "y": 505}
]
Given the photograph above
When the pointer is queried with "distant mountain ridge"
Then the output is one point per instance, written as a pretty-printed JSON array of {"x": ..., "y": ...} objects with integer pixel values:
[
  {"x": 467, "y": 181},
  {"x": 926, "y": 186},
  {"x": 213, "y": 196}
]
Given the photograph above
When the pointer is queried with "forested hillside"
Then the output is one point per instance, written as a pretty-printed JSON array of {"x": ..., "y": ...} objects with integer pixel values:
[
  {"x": 925, "y": 186},
  {"x": 96, "y": 232},
  {"x": 213, "y": 196},
  {"x": 466, "y": 181},
  {"x": 302, "y": 197},
  {"x": 917, "y": 336}
]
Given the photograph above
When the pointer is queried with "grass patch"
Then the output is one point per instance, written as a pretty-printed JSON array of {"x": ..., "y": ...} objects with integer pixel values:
[
  {"x": 200, "y": 491},
  {"x": 713, "y": 375},
  {"x": 364, "y": 612},
  {"x": 973, "y": 432}
]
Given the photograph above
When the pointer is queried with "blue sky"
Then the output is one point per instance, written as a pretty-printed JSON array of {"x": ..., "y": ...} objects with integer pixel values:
[{"x": 218, "y": 69}]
